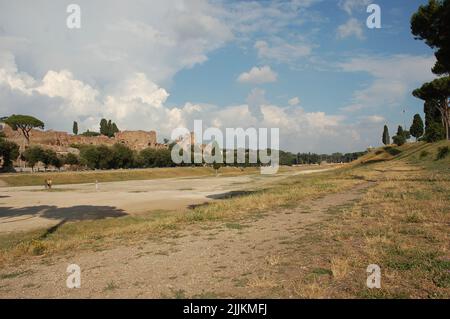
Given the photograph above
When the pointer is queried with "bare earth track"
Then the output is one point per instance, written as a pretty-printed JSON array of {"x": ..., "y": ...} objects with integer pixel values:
[{"x": 207, "y": 260}]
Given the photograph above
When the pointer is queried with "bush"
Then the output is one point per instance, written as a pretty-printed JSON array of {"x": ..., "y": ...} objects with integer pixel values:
[
  {"x": 104, "y": 157},
  {"x": 9, "y": 151},
  {"x": 392, "y": 150},
  {"x": 90, "y": 156},
  {"x": 155, "y": 158},
  {"x": 90, "y": 134},
  {"x": 33, "y": 155},
  {"x": 399, "y": 139},
  {"x": 123, "y": 156},
  {"x": 424, "y": 154},
  {"x": 71, "y": 159},
  {"x": 434, "y": 132},
  {"x": 49, "y": 157},
  {"x": 442, "y": 152}
]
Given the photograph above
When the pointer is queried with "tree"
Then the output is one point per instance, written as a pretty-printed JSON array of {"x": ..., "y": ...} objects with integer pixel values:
[
  {"x": 123, "y": 156},
  {"x": 33, "y": 155},
  {"x": 90, "y": 156},
  {"x": 9, "y": 151},
  {"x": 108, "y": 128},
  {"x": 150, "y": 157},
  {"x": 57, "y": 162},
  {"x": 417, "y": 127},
  {"x": 215, "y": 164},
  {"x": 75, "y": 128},
  {"x": 434, "y": 132},
  {"x": 400, "y": 138},
  {"x": 430, "y": 24},
  {"x": 71, "y": 159},
  {"x": 49, "y": 157},
  {"x": 24, "y": 123},
  {"x": 386, "y": 137},
  {"x": 104, "y": 127},
  {"x": 437, "y": 93},
  {"x": 115, "y": 129}
]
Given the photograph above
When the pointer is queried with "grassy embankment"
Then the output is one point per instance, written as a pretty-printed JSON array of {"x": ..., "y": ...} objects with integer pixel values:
[{"x": 402, "y": 224}]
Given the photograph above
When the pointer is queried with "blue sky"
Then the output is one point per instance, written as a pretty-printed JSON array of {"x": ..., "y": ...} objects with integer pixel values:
[
  {"x": 310, "y": 67},
  {"x": 325, "y": 89}
]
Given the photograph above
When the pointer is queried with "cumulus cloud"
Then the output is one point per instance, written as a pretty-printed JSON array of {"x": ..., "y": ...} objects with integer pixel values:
[
  {"x": 158, "y": 38},
  {"x": 58, "y": 98},
  {"x": 352, "y": 27},
  {"x": 258, "y": 75},
  {"x": 120, "y": 65}
]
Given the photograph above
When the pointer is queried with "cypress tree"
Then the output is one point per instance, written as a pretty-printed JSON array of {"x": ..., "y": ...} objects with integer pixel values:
[
  {"x": 75, "y": 128},
  {"x": 386, "y": 137},
  {"x": 416, "y": 129},
  {"x": 104, "y": 127}
]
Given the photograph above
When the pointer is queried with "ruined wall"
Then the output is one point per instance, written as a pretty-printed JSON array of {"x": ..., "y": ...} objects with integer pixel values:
[{"x": 61, "y": 141}]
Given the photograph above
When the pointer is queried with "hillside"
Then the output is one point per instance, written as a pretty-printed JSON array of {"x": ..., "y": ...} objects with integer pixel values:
[{"x": 420, "y": 153}]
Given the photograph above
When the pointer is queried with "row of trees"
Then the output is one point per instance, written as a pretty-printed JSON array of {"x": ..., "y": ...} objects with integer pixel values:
[
  {"x": 48, "y": 157},
  {"x": 416, "y": 130},
  {"x": 287, "y": 158},
  {"x": 107, "y": 128},
  {"x": 94, "y": 157},
  {"x": 120, "y": 156},
  {"x": 430, "y": 24}
]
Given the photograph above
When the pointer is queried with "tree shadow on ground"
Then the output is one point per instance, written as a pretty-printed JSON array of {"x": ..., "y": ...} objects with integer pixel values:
[
  {"x": 73, "y": 213},
  {"x": 227, "y": 195},
  {"x": 230, "y": 194},
  {"x": 63, "y": 214}
]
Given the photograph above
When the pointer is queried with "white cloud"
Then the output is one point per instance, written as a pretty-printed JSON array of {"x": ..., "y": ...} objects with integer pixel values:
[
  {"x": 258, "y": 75},
  {"x": 372, "y": 119},
  {"x": 294, "y": 101},
  {"x": 352, "y": 27},
  {"x": 255, "y": 100},
  {"x": 138, "y": 103},
  {"x": 350, "y": 5},
  {"x": 271, "y": 17},
  {"x": 281, "y": 51},
  {"x": 394, "y": 79},
  {"x": 157, "y": 38}
]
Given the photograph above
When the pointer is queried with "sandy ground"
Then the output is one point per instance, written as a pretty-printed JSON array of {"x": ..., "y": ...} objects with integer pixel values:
[
  {"x": 208, "y": 260},
  {"x": 26, "y": 208}
]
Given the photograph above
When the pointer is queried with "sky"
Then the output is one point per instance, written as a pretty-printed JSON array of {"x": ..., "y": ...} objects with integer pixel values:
[{"x": 311, "y": 68}]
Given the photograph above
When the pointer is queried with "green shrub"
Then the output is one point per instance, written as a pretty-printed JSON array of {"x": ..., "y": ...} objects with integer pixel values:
[
  {"x": 399, "y": 139},
  {"x": 424, "y": 154},
  {"x": 442, "y": 152},
  {"x": 392, "y": 150}
]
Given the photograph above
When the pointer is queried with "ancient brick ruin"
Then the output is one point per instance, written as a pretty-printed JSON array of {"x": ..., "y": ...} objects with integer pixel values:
[{"x": 61, "y": 142}]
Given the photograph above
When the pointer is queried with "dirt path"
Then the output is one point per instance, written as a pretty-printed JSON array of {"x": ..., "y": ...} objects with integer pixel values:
[
  {"x": 29, "y": 207},
  {"x": 207, "y": 260}
]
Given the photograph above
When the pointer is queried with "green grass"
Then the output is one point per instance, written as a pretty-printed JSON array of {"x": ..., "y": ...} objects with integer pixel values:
[{"x": 36, "y": 179}]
